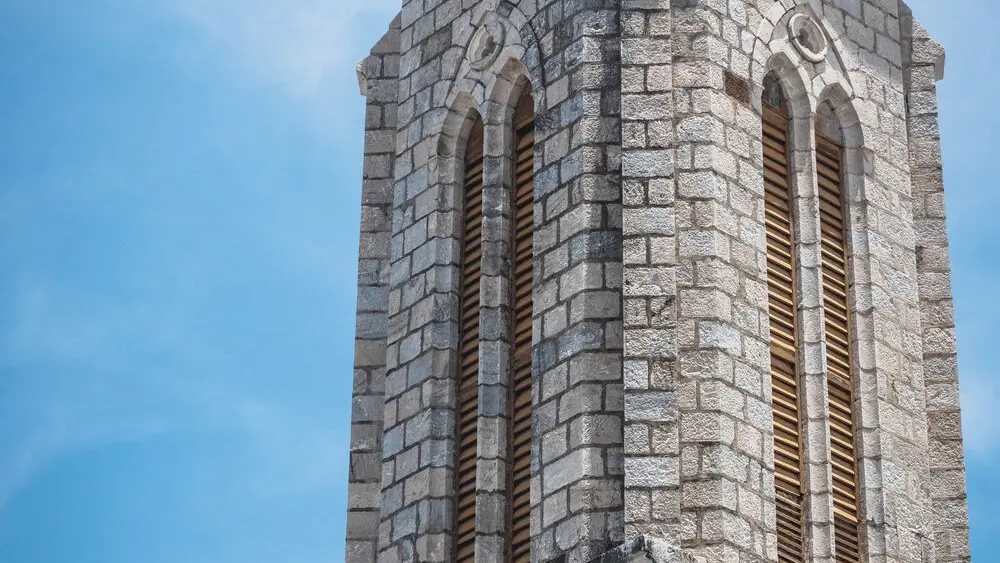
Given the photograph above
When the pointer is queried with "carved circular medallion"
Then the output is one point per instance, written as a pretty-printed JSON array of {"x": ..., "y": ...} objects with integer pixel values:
[
  {"x": 486, "y": 44},
  {"x": 808, "y": 38}
]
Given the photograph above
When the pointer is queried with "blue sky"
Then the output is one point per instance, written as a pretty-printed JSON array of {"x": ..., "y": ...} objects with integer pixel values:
[{"x": 179, "y": 198}]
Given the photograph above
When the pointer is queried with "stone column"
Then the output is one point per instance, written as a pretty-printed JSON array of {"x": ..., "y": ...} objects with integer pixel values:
[
  {"x": 924, "y": 65},
  {"x": 577, "y": 453},
  {"x": 378, "y": 75},
  {"x": 727, "y": 478},
  {"x": 419, "y": 437},
  {"x": 652, "y": 445}
]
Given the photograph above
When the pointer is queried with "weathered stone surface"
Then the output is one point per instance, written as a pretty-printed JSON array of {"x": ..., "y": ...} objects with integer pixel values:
[
  {"x": 646, "y": 550},
  {"x": 652, "y": 400}
]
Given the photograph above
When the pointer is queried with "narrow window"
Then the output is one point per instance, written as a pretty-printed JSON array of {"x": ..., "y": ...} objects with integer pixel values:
[
  {"x": 519, "y": 484},
  {"x": 468, "y": 369},
  {"x": 837, "y": 316},
  {"x": 789, "y": 493}
]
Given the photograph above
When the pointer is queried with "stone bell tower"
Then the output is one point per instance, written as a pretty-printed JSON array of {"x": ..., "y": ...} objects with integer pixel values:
[{"x": 654, "y": 280}]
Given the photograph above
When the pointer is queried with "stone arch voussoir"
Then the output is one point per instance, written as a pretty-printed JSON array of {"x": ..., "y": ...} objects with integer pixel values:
[{"x": 447, "y": 162}]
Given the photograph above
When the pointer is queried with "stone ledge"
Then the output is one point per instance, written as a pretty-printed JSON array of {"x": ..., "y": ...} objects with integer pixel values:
[{"x": 644, "y": 549}]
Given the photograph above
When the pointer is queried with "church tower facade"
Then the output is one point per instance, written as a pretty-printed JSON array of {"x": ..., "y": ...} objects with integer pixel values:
[{"x": 654, "y": 280}]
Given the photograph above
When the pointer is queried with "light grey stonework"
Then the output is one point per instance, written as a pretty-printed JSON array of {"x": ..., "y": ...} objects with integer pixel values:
[
  {"x": 924, "y": 61},
  {"x": 380, "y": 71},
  {"x": 652, "y": 418},
  {"x": 643, "y": 549}
]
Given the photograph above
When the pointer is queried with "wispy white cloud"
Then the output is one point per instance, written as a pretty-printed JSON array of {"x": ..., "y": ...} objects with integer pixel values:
[
  {"x": 980, "y": 415},
  {"x": 80, "y": 372},
  {"x": 294, "y": 449},
  {"x": 72, "y": 326},
  {"x": 299, "y": 45},
  {"x": 291, "y": 449},
  {"x": 54, "y": 420}
]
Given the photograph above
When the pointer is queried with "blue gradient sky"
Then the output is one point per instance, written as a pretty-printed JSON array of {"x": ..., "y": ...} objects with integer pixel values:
[{"x": 179, "y": 198}]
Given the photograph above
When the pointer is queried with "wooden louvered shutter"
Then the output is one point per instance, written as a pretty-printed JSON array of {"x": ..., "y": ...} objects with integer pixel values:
[
  {"x": 519, "y": 493},
  {"x": 840, "y": 382},
  {"x": 468, "y": 365},
  {"x": 789, "y": 497}
]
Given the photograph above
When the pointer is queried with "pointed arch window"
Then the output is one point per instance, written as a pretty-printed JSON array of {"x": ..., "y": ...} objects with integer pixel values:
[
  {"x": 519, "y": 306},
  {"x": 521, "y": 263},
  {"x": 783, "y": 318},
  {"x": 783, "y": 306},
  {"x": 837, "y": 309},
  {"x": 467, "y": 423}
]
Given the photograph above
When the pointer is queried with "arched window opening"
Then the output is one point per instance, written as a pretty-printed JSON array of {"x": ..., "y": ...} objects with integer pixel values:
[
  {"x": 468, "y": 366},
  {"x": 522, "y": 259},
  {"x": 773, "y": 96},
  {"x": 782, "y": 306},
  {"x": 827, "y": 125},
  {"x": 837, "y": 309}
]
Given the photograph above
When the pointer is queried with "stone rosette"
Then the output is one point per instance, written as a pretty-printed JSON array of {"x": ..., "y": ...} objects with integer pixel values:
[
  {"x": 808, "y": 38},
  {"x": 486, "y": 44}
]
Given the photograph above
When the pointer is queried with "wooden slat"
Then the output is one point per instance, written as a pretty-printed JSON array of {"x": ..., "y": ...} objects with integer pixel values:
[
  {"x": 468, "y": 375},
  {"x": 522, "y": 253},
  {"x": 789, "y": 491},
  {"x": 833, "y": 243}
]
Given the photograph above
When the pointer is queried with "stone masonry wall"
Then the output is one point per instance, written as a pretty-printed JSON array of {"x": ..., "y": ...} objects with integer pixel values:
[
  {"x": 577, "y": 491},
  {"x": 722, "y": 338},
  {"x": 380, "y": 70},
  {"x": 568, "y": 49},
  {"x": 651, "y": 363},
  {"x": 924, "y": 66},
  {"x": 727, "y": 510},
  {"x": 652, "y": 451},
  {"x": 862, "y": 79}
]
